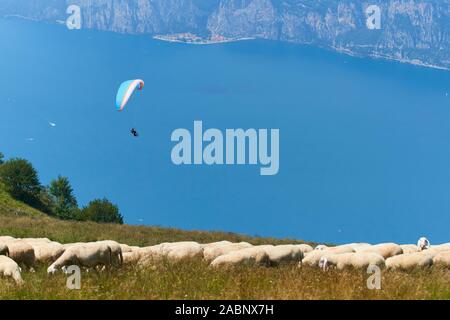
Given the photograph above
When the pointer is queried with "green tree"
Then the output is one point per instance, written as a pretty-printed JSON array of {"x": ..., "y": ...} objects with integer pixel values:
[
  {"x": 102, "y": 210},
  {"x": 1, "y": 158},
  {"x": 45, "y": 203},
  {"x": 64, "y": 202},
  {"x": 21, "y": 180}
]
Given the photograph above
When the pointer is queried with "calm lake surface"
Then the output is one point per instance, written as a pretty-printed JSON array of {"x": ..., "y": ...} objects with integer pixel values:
[{"x": 364, "y": 144}]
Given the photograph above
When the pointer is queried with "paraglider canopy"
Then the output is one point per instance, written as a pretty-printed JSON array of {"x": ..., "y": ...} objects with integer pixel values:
[{"x": 125, "y": 92}]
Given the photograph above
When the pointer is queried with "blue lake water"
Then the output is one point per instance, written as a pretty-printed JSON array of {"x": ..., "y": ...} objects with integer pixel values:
[{"x": 364, "y": 144}]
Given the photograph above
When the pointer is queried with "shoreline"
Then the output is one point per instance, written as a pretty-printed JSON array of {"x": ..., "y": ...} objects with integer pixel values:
[{"x": 201, "y": 42}]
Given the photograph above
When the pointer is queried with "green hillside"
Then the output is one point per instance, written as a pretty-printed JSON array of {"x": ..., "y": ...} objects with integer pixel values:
[
  {"x": 19, "y": 220},
  {"x": 8, "y": 205}
]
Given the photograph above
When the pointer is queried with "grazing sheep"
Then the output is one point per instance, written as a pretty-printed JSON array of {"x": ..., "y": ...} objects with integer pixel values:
[
  {"x": 4, "y": 251},
  {"x": 284, "y": 254},
  {"x": 73, "y": 244},
  {"x": 429, "y": 252},
  {"x": 352, "y": 260},
  {"x": 358, "y": 245},
  {"x": 312, "y": 259},
  {"x": 9, "y": 268},
  {"x": 89, "y": 255},
  {"x": 409, "y": 248},
  {"x": 150, "y": 252},
  {"x": 441, "y": 247},
  {"x": 22, "y": 253},
  {"x": 36, "y": 240},
  {"x": 48, "y": 252},
  {"x": 386, "y": 250},
  {"x": 171, "y": 251},
  {"x": 183, "y": 251},
  {"x": 248, "y": 256},
  {"x": 423, "y": 244},
  {"x": 321, "y": 247},
  {"x": 442, "y": 259},
  {"x": 212, "y": 252},
  {"x": 149, "y": 248},
  {"x": 125, "y": 248},
  {"x": 216, "y": 244},
  {"x": 4, "y": 239},
  {"x": 409, "y": 261},
  {"x": 130, "y": 258},
  {"x": 340, "y": 249},
  {"x": 305, "y": 248},
  {"x": 116, "y": 252}
]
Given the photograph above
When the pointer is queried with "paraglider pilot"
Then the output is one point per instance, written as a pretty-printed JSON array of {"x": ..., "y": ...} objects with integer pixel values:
[
  {"x": 134, "y": 132},
  {"x": 124, "y": 93}
]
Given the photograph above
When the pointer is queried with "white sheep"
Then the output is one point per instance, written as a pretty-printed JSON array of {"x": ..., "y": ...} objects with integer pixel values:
[
  {"x": 183, "y": 251},
  {"x": 312, "y": 259},
  {"x": 423, "y": 244},
  {"x": 212, "y": 252},
  {"x": 305, "y": 248},
  {"x": 116, "y": 252},
  {"x": 358, "y": 245},
  {"x": 216, "y": 244},
  {"x": 4, "y": 239},
  {"x": 249, "y": 256},
  {"x": 175, "y": 251},
  {"x": 284, "y": 254},
  {"x": 4, "y": 251},
  {"x": 10, "y": 268},
  {"x": 48, "y": 252},
  {"x": 132, "y": 257},
  {"x": 89, "y": 255},
  {"x": 442, "y": 259},
  {"x": 73, "y": 244},
  {"x": 409, "y": 248},
  {"x": 125, "y": 248},
  {"x": 22, "y": 253},
  {"x": 154, "y": 252},
  {"x": 441, "y": 247},
  {"x": 352, "y": 260},
  {"x": 340, "y": 249},
  {"x": 386, "y": 250},
  {"x": 409, "y": 261},
  {"x": 321, "y": 247},
  {"x": 36, "y": 240}
]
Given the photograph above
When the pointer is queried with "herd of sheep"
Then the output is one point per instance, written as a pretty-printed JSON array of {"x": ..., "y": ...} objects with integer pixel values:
[{"x": 25, "y": 254}]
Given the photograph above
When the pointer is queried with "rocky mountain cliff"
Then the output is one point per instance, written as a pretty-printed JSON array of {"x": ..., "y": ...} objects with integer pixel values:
[{"x": 414, "y": 31}]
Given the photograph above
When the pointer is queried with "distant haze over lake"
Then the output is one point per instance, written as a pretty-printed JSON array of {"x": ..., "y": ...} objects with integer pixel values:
[{"x": 364, "y": 144}]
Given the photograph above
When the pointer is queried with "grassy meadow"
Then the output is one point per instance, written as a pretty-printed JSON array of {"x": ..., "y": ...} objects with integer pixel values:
[{"x": 194, "y": 279}]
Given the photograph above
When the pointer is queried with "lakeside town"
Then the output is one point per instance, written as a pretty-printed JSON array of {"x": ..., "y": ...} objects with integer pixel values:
[{"x": 195, "y": 39}]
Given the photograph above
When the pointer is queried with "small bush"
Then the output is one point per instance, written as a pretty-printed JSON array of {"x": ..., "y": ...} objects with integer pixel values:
[{"x": 102, "y": 211}]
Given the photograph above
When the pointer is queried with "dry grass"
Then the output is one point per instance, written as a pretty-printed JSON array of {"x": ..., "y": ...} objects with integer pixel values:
[{"x": 195, "y": 280}]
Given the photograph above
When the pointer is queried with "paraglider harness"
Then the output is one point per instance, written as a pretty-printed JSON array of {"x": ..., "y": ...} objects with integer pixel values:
[{"x": 134, "y": 132}]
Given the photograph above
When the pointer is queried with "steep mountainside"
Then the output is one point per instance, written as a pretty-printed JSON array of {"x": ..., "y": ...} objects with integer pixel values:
[{"x": 415, "y": 31}]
